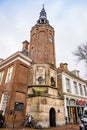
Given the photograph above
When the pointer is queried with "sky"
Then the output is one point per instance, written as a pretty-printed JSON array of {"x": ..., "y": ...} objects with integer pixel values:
[{"x": 67, "y": 17}]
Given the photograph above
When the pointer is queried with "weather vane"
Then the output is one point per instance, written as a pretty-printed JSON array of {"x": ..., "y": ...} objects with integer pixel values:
[{"x": 43, "y": 5}]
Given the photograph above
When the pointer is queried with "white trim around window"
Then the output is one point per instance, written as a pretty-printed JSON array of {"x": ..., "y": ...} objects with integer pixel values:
[{"x": 9, "y": 74}]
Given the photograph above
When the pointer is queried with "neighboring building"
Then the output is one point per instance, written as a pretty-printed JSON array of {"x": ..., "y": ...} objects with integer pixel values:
[
  {"x": 28, "y": 80},
  {"x": 74, "y": 90},
  {"x": 14, "y": 74}
]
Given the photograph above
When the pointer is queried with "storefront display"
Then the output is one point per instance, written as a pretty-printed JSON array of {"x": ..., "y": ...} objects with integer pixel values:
[{"x": 74, "y": 109}]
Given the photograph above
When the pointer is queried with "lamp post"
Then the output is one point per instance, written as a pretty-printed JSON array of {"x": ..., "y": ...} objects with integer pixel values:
[{"x": 14, "y": 120}]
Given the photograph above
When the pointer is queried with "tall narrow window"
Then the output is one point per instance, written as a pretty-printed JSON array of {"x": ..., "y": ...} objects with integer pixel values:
[
  {"x": 1, "y": 76},
  {"x": 81, "y": 91},
  {"x": 68, "y": 85},
  {"x": 75, "y": 87},
  {"x": 85, "y": 91},
  {"x": 9, "y": 74},
  {"x": 3, "y": 101},
  {"x": 52, "y": 81}
]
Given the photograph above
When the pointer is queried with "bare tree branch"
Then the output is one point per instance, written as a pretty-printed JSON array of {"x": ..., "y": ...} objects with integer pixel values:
[{"x": 81, "y": 52}]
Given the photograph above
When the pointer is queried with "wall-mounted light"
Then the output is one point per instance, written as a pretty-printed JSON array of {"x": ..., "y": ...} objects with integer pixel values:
[{"x": 58, "y": 111}]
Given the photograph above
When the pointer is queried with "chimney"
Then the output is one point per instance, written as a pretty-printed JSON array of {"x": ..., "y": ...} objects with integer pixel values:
[
  {"x": 25, "y": 45},
  {"x": 61, "y": 65},
  {"x": 64, "y": 66},
  {"x": 1, "y": 60}
]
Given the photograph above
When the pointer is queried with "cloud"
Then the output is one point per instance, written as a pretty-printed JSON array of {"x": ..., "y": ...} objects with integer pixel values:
[{"x": 71, "y": 30}]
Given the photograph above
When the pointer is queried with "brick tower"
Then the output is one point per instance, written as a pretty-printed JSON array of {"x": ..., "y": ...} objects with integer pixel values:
[
  {"x": 42, "y": 41},
  {"x": 43, "y": 102}
]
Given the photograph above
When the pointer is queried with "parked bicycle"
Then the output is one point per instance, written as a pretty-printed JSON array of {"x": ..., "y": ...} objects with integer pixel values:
[{"x": 30, "y": 122}]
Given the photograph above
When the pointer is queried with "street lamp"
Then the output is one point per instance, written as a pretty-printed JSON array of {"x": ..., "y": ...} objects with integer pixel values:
[{"x": 14, "y": 120}]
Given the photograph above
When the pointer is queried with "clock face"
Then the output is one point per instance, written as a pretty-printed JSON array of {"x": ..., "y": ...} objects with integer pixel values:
[{"x": 50, "y": 39}]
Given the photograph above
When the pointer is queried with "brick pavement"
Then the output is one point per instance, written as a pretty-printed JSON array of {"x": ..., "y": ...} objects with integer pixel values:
[{"x": 66, "y": 127}]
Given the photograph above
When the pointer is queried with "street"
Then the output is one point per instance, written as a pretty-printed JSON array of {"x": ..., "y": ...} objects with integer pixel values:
[{"x": 66, "y": 127}]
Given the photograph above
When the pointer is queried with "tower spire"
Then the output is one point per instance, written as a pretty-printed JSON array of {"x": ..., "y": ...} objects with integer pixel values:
[
  {"x": 43, "y": 17},
  {"x": 43, "y": 5}
]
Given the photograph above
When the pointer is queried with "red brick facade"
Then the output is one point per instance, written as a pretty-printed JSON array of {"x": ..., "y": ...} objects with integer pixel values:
[
  {"x": 16, "y": 87},
  {"x": 42, "y": 44}
]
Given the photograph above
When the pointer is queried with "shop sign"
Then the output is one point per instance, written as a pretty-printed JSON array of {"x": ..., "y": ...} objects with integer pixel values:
[{"x": 80, "y": 102}]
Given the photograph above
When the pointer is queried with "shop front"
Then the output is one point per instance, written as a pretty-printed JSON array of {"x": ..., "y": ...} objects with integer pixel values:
[{"x": 74, "y": 109}]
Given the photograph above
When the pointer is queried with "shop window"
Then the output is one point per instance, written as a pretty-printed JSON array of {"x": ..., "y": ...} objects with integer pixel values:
[
  {"x": 1, "y": 76},
  {"x": 85, "y": 113},
  {"x": 9, "y": 74},
  {"x": 68, "y": 85}
]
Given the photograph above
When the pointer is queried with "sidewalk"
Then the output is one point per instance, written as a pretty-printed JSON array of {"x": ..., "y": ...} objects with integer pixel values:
[{"x": 66, "y": 127}]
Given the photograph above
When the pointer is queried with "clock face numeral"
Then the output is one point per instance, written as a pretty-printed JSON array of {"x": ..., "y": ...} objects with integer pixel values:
[{"x": 50, "y": 39}]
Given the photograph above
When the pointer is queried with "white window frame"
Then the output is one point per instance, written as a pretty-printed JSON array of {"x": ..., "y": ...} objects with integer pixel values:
[
  {"x": 9, "y": 74},
  {"x": 3, "y": 102},
  {"x": 1, "y": 76},
  {"x": 81, "y": 89},
  {"x": 68, "y": 85},
  {"x": 75, "y": 87},
  {"x": 85, "y": 91}
]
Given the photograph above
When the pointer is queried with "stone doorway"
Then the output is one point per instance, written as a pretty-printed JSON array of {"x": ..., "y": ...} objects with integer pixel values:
[{"x": 52, "y": 117}]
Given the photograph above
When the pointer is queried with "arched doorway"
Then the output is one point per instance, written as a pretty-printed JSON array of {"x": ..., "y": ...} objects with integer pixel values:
[{"x": 52, "y": 117}]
